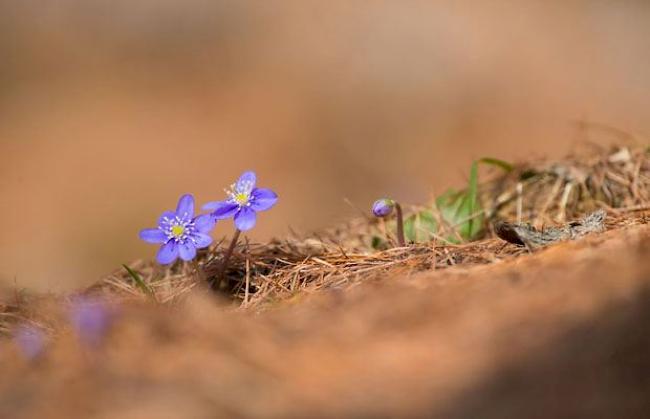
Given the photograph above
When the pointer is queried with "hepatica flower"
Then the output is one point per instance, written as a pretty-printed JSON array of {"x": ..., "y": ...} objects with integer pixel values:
[
  {"x": 90, "y": 318},
  {"x": 244, "y": 200},
  {"x": 180, "y": 233},
  {"x": 30, "y": 340},
  {"x": 383, "y": 207}
]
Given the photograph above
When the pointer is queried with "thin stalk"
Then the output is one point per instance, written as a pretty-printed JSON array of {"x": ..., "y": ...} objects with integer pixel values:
[
  {"x": 400, "y": 225},
  {"x": 221, "y": 274}
]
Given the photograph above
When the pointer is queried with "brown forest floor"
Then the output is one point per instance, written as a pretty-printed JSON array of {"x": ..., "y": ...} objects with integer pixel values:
[{"x": 332, "y": 329}]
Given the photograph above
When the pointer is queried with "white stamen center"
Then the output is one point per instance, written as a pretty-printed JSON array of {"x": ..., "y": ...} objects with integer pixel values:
[
  {"x": 178, "y": 229},
  {"x": 240, "y": 193}
]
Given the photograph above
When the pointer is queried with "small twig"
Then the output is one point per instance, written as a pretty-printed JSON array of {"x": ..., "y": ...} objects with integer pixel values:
[
  {"x": 432, "y": 235},
  {"x": 356, "y": 208},
  {"x": 248, "y": 281},
  {"x": 452, "y": 229},
  {"x": 618, "y": 179},
  {"x": 551, "y": 197},
  {"x": 520, "y": 201},
  {"x": 561, "y": 215},
  {"x": 468, "y": 218},
  {"x": 634, "y": 208},
  {"x": 634, "y": 188}
]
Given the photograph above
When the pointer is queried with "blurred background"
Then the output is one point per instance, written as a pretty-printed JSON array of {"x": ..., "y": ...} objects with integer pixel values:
[{"x": 109, "y": 110}]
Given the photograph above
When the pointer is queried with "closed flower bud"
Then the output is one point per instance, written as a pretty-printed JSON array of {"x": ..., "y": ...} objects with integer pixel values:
[{"x": 383, "y": 207}]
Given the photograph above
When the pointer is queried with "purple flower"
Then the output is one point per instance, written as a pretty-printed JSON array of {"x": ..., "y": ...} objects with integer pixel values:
[
  {"x": 30, "y": 340},
  {"x": 244, "y": 200},
  {"x": 90, "y": 318},
  {"x": 180, "y": 233},
  {"x": 383, "y": 207}
]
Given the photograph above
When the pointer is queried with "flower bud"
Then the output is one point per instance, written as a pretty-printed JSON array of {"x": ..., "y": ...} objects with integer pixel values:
[{"x": 383, "y": 207}]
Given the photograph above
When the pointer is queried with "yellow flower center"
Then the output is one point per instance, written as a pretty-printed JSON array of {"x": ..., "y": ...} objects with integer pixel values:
[
  {"x": 241, "y": 198},
  {"x": 177, "y": 231}
]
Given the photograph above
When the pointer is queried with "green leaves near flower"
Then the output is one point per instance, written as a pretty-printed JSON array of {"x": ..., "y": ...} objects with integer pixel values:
[
  {"x": 420, "y": 227},
  {"x": 461, "y": 213},
  {"x": 456, "y": 208},
  {"x": 139, "y": 281},
  {"x": 461, "y": 210},
  {"x": 504, "y": 165}
]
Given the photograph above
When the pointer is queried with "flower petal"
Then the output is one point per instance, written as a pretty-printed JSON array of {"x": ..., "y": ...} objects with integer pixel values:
[
  {"x": 221, "y": 209},
  {"x": 201, "y": 240},
  {"x": 167, "y": 215},
  {"x": 185, "y": 208},
  {"x": 168, "y": 253},
  {"x": 204, "y": 223},
  {"x": 245, "y": 219},
  {"x": 90, "y": 319},
  {"x": 153, "y": 235},
  {"x": 246, "y": 182},
  {"x": 30, "y": 340},
  {"x": 187, "y": 251},
  {"x": 263, "y": 199},
  {"x": 213, "y": 205}
]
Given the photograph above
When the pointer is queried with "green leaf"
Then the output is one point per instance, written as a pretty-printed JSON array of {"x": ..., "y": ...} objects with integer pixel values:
[
  {"x": 507, "y": 167},
  {"x": 474, "y": 226},
  {"x": 376, "y": 242},
  {"x": 420, "y": 227},
  {"x": 457, "y": 209},
  {"x": 528, "y": 174},
  {"x": 449, "y": 205},
  {"x": 139, "y": 281},
  {"x": 462, "y": 210}
]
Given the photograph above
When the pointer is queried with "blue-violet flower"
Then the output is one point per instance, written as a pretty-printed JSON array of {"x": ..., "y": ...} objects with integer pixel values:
[
  {"x": 30, "y": 340},
  {"x": 180, "y": 233},
  {"x": 383, "y": 207},
  {"x": 244, "y": 201},
  {"x": 90, "y": 318}
]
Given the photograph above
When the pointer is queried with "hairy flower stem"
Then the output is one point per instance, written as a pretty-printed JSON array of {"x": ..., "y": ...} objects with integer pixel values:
[
  {"x": 221, "y": 275},
  {"x": 400, "y": 225}
]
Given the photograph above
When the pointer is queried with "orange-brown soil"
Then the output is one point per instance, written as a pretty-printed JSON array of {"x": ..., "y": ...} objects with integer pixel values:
[{"x": 563, "y": 332}]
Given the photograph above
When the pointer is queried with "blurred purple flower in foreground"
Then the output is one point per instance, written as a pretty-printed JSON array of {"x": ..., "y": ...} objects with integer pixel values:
[
  {"x": 90, "y": 319},
  {"x": 244, "y": 200},
  {"x": 30, "y": 340},
  {"x": 383, "y": 207},
  {"x": 180, "y": 233}
]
